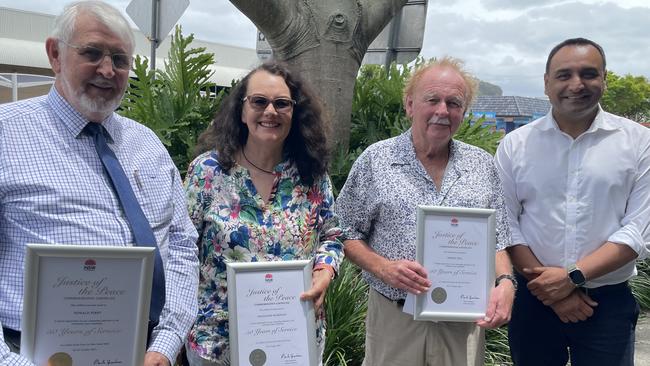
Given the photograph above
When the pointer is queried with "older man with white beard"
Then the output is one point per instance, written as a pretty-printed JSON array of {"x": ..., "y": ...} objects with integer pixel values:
[
  {"x": 72, "y": 171},
  {"x": 377, "y": 207}
]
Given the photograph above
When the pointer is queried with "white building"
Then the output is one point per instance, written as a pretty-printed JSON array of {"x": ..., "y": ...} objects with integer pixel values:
[{"x": 22, "y": 51}]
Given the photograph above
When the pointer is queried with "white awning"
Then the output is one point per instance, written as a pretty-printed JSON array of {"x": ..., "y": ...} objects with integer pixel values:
[
  {"x": 32, "y": 54},
  {"x": 23, "y": 53}
]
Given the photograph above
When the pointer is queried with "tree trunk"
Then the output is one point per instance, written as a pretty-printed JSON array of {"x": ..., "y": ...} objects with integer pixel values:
[{"x": 324, "y": 40}]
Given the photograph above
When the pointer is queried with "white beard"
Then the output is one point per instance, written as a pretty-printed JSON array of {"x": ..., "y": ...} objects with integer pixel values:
[{"x": 88, "y": 105}]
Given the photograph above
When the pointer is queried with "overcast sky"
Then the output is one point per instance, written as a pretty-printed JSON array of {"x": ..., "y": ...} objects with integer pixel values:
[{"x": 504, "y": 42}]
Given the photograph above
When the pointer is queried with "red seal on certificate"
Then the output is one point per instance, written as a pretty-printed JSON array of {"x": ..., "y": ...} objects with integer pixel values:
[{"x": 89, "y": 265}]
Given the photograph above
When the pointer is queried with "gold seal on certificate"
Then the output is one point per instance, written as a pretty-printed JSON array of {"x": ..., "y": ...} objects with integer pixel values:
[
  {"x": 438, "y": 295},
  {"x": 456, "y": 246},
  {"x": 257, "y": 357}
]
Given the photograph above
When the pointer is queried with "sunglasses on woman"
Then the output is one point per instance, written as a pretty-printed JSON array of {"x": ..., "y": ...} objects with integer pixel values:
[{"x": 259, "y": 103}]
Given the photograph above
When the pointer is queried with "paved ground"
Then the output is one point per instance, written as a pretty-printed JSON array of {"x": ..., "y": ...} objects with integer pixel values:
[{"x": 642, "y": 349}]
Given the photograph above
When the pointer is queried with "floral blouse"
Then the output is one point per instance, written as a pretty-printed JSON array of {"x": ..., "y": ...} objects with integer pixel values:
[{"x": 235, "y": 224}]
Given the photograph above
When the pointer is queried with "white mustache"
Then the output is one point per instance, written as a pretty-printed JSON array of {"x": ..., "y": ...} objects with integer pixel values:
[{"x": 439, "y": 121}]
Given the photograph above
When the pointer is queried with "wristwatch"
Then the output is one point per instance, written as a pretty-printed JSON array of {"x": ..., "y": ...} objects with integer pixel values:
[
  {"x": 506, "y": 277},
  {"x": 576, "y": 276}
]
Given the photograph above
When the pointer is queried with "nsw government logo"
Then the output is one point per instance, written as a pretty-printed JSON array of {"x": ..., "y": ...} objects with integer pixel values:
[
  {"x": 268, "y": 277},
  {"x": 89, "y": 265},
  {"x": 454, "y": 221}
]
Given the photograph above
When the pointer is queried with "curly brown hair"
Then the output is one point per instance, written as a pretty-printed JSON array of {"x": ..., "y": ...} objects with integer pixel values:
[{"x": 306, "y": 143}]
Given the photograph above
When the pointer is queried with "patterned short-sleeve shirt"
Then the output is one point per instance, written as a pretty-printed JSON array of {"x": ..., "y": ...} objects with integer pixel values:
[{"x": 378, "y": 203}]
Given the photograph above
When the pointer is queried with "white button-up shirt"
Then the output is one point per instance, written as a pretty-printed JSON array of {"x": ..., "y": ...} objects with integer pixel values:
[{"x": 566, "y": 197}]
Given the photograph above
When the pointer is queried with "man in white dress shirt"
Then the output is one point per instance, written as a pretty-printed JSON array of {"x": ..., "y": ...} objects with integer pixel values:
[{"x": 577, "y": 188}]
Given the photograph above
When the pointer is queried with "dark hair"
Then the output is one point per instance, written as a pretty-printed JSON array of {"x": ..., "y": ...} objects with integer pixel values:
[
  {"x": 306, "y": 143},
  {"x": 576, "y": 42}
]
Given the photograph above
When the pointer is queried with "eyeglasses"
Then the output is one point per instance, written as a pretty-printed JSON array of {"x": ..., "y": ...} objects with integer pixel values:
[
  {"x": 94, "y": 55},
  {"x": 259, "y": 103}
]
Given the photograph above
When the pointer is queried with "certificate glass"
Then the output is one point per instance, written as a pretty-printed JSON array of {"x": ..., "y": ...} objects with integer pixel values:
[
  {"x": 87, "y": 304},
  {"x": 457, "y": 248},
  {"x": 268, "y": 323}
]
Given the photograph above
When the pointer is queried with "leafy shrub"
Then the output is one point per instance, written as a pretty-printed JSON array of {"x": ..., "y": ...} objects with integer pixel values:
[{"x": 178, "y": 104}]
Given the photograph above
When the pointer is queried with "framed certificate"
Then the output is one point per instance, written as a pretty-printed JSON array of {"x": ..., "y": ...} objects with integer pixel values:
[
  {"x": 268, "y": 323},
  {"x": 86, "y": 305},
  {"x": 457, "y": 248}
]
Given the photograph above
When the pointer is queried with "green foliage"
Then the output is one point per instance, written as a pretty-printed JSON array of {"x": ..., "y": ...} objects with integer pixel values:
[
  {"x": 641, "y": 284},
  {"x": 177, "y": 104},
  {"x": 346, "y": 307},
  {"x": 627, "y": 96},
  {"x": 497, "y": 351},
  {"x": 340, "y": 166},
  {"x": 377, "y": 111},
  {"x": 475, "y": 134}
]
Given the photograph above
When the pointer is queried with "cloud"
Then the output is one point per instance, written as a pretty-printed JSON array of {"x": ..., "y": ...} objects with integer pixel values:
[
  {"x": 512, "y": 52},
  {"x": 515, "y": 4},
  {"x": 220, "y": 22}
]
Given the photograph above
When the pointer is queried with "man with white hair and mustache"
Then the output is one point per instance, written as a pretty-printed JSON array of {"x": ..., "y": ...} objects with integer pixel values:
[
  {"x": 377, "y": 207},
  {"x": 74, "y": 172}
]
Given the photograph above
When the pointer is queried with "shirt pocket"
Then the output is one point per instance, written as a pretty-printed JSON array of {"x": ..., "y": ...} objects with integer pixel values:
[{"x": 155, "y": 193}]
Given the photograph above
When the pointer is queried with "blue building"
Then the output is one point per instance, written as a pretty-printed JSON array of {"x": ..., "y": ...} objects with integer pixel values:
[{"x": 507, "y": 113}]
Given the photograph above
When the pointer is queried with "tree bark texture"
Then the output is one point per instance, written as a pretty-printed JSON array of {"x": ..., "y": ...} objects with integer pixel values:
[{"x": 325, "y": 41}]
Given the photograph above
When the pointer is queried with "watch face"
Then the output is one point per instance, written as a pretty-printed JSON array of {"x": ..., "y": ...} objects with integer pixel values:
[{"x": 577, "y": 277}]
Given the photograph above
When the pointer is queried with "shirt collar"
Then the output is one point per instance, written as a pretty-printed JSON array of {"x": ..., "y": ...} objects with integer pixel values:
[
  {"x": 72, "y": 119},
  {"x": 599, "y": 123},
  {"x": 406, "y": 151}
]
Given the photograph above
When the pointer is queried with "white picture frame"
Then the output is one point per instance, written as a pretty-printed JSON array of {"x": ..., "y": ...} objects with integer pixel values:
[
  {"x": 91, "y": 302},
  {"x": 268, "y": 323},
  {"x": 456, "y": 245}
]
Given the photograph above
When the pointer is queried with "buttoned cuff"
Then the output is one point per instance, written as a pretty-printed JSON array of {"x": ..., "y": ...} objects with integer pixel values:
[{"x": 167, "y": 343}]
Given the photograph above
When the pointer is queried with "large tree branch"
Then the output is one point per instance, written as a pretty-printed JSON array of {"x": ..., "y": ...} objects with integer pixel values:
[
  {"x": 268, "y": 15},
  {"x": 377, "y": 13}
]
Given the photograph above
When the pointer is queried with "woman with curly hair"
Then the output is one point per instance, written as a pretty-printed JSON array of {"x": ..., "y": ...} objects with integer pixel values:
[{"x": 259, "y": 191}]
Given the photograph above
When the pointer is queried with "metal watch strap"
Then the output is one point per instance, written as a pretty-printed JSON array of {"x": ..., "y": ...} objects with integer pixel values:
[
  {"x": 574, "y": 271},
  {"x": 506, "y": 277}
]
